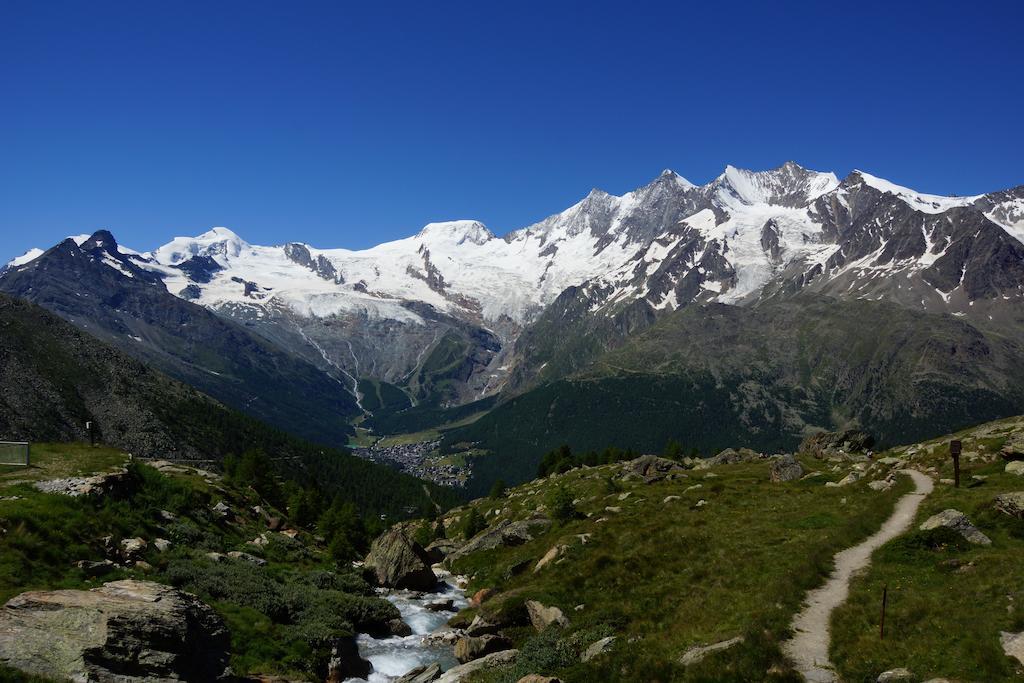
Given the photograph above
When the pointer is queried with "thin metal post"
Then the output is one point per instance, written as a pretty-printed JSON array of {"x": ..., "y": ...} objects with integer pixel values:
[{"x": 881, "y": 626}]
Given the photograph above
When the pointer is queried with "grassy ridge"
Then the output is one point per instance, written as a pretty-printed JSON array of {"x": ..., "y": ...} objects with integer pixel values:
[
  {"x": 948, "y": 600},
  {"x": 662, "y": 576}
]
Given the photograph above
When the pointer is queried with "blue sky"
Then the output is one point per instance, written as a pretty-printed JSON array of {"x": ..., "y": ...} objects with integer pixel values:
[{"x": 346, "y": 125}]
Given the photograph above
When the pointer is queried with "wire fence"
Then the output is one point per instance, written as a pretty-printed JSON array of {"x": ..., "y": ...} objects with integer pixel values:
[{"x": 15, "y": 453}]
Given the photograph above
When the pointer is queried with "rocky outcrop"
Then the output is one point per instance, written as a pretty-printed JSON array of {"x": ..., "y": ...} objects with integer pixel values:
[
  {"x": 109, "y": 483},
  {"x": 837, "y": 445},
  {"x": 463, "y": 673},
  {"x": 786, "y": 468},
  {"x": 1013, "y": 645},
  {"x": 651, "y": 468},
  {"x": 730, "y": 456},
  {"x": 129, "y": 631},
  {"x": 504, "y": 533},
  {"x": 1015, "y": 467},
  {"x": 397, "y": 561},
  {"x": 957, "y": 521},
  {"x": 469, "y": 648},
  {"x": 1011, "y": 504}
]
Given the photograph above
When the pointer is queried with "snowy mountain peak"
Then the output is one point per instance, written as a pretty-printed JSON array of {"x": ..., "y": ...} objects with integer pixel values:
[
  {"x": 668, "y": 173},
  {"x": 456, "y": 232},
  {"x": 216, "y": 243},
  {"x": 926, "y": 203},
  {"x": 789, "y": 185}
]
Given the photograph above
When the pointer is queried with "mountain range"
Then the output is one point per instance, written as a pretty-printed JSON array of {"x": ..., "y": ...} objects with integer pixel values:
[{"x": 751, "y": 291}]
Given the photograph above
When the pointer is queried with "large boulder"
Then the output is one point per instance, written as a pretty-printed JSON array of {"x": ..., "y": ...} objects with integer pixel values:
[
  {"x": 504, "y": 533},
  {"x": 957, "y": 521},
  {"x": 469, "y": 648},
  {"x": 464, "y": 672},
  {"x": 837, "y": 445},
  {"x": 651, "y": 468},
  {"x": 542, "y": 617},
  {"x": 697, "y": 653},
  {"x": 730, "y": 456},
  {"x": 422, "y": 674},
  {"x": 786, "y": 468},
  {"x": 129, "y": 631},
  {"x": 1015, "y": 467},
  {"x": 397, "y": 561}
]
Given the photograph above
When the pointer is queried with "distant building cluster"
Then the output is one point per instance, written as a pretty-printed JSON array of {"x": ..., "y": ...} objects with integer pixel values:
[{"x": 418, "y": 459}]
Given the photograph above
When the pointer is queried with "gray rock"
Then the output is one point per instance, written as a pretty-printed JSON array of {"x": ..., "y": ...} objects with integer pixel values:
[
  {"x": 957, "y": 521},
  {"x": 129, "y": 631},
  {"x": 1011, "y": 504},
  {"x": 894, "y": 675},
  {"x": 463, "y": 672},
  {"x": 699, "y": 652},
  {"x": 504, "y": 534},
  {"x": 95, "y": 568},
  {"x": 109, "y": 483},
  {"x": 469, "y": 648},
  {"x": 422, "y": 674},
  {"x": 786, "y": 469},
  {"x": 541, "y": 617},
  {"x": 397, "y": 561},
  {"x": 1013, "y": 645},
  {"x": 162, "y": 545},
  {"x": 730, "y": 456},
  {"x": 652, "y": 468},
  {"x": 881, "y": 484},
  {"x": 132, "y": 548},
  {"x": 1015, "y": 467},
  {"x": 597, "y": 649}
]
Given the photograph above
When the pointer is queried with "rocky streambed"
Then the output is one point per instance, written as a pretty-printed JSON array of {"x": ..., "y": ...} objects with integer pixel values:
[{"x": 430, "y": 641}]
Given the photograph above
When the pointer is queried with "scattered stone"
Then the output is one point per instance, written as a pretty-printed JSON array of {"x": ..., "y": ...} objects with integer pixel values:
[
  {"x": 890, "y": 461},
  {"x": 957, "y": 521},
  {"x": 624, "y": 496},
  {"x": 537, "y": 678},
  {"x": 693, "y": 488},
  {"x": 1013, "y": 645},
  {"x": 895, "y": 675},
  {"x": 162, "y": 545},
  {"x": 881, "y": 485},
  {"x": 129, "y": 631},
  {"x": 947, "y": 482},
  {"x": 216, "y": 557},
  {"x": 469, "y": 648},
  {"x": 1015, "y": 467},
  {"x": 785, "y": 469},
  {"x": 422, "y": 674},
  {"x": 669, "y": 499},
  {"x": 730, "y": 456},
  {"x": 463, "y": 672},
  {"x": 697, "y": 653},
  {"x": 221, "y": 509},
  {"x": 613, "y": 510},
  {"x": 541, "y": 617},
  {"x": 597, "y": 649},
  {"x": 397, "y": 561},
  {"x": 1011, "y": 504},
  {"x": 701, "y": 503},
  {"x": 397, "y": 627},
  {"x": 550, "y": 556}
]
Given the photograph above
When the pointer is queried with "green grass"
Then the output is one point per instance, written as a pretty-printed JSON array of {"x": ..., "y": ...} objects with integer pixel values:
[
  {"x": 405, "y": 439},
  {"x": 664, "y": 576},
  {"x": 281, "y": 616},
  {"x": 947, "y": 602}
]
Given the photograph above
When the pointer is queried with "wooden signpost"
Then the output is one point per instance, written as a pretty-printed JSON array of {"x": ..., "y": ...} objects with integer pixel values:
[
  {"x": 885, "y": 599},
  {"x": 955, "y": 447}
]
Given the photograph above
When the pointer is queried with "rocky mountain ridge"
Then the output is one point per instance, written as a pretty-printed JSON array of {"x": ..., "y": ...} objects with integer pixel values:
[{"x": 460, "y": 308}]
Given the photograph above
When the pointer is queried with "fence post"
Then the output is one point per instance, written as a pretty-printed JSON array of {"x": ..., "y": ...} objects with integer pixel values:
[
  {"x": 881, "y": 627},
  {"x": 28, "y": 454}
]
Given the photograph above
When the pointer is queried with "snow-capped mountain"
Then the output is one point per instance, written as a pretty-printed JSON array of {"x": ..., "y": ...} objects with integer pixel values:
[{"x": 439, "y": 314}]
